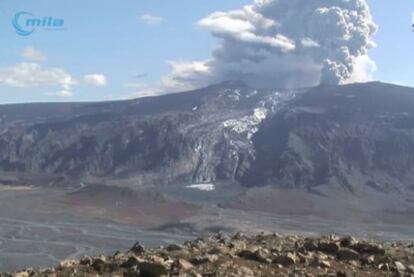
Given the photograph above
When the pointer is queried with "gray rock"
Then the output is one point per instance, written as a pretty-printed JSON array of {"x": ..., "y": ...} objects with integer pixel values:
[
  {"x": 348, "y": 254},
  {"x": 131, "y": 262},
  {"x": 310, "y": 246},
  {"x": 137, "y": 248},
  {"x": 199, "y": 260},
  {"x": 99, "y": 264},
  {"x": 346, "y": 273},
  {"x": 184, "y": 264},
  {"x": 325, "y": 264},
  {"x": 368, "y": 248},
  {"x": 68, "y": 264},
  {"x": 328, "y": 247},
  {"x": 384, "y": 267},
  {"x": 399, "y": 266},
  {"x": 174, "y": 247},
  {"x": 86, "y": 261},
  {"x": 348, "y": 241},
  {"x": 151, "y": 269},
  {"x": 368, "y": 260},
  {"x": 285, "y": 260}
]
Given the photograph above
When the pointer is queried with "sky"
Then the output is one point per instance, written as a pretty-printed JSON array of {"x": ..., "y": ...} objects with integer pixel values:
[{"x": 110, "y": 50}]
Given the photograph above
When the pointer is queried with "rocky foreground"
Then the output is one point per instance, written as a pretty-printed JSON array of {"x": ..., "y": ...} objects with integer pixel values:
[{"x": 241, "y": 255}]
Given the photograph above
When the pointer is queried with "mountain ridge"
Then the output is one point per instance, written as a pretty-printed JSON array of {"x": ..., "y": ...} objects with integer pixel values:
[{"x": 226, "y": 132}]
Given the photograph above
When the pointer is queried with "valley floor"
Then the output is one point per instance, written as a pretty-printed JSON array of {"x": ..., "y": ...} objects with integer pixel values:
[{"x": 40, "y": 227}]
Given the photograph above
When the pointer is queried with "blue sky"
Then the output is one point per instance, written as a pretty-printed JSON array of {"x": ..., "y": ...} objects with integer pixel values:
[{"x": 130, "y": 43}]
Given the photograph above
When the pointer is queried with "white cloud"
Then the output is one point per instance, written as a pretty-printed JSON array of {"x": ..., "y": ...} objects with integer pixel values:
[
  {"x": 136, "y": 85},
  {"x": 237, "y": 26},
  {"x": 33, "y": 54},
  {"x": 308, "y": 42},
  {"x": 142, "y": 93},
  {"x": 220, "y": 23},
  {"x": 184, "y": 75},
  {"x": 150, "y": 19},
  {"x": 61, "y": 93},
  {"x": 95, "y": 79},
  {"x": 26, "y": 75},
  {"x": 180, "y": 70}
]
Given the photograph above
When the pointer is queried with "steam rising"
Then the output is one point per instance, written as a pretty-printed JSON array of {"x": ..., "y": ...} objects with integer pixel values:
[{"x": 285, "y": 43}]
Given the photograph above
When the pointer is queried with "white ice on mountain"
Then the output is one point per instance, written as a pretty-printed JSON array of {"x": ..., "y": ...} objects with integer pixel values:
[
  {"x": 202, "y": 187},
  {"x": 248, "y": 124}
]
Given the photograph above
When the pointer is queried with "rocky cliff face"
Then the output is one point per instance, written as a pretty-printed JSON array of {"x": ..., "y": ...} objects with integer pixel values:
[{"x": 351, "y": 136}]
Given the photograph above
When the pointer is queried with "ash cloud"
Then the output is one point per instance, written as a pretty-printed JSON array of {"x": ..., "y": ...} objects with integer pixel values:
[{"x": 284, "y": 43}]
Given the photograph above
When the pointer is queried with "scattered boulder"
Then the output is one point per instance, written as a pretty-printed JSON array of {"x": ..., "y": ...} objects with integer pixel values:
[
  {"x": 238, "y": 245},
  {"x": 199, "y": 260},
  {"x": 346, "y": 254},
  {"x": 310, "y": 246},
  {"x": 399, "y": 266},
  {"x": 286, "y": 260},
  {"x": 219, "y": 250},
  {"x": 86, "y": 261},
  {"x": 131, "y": 262},
  {"x": 368, "y": 248},
  {"x": 152, "y": 269},
  {"x": 261, "y": 255},
  {"x": 368, "y": 260},
  {"x": 385, "y": 267},
  {"x": 346, "y": 273},
  {"x": 328, "y": 247},
  {"x": 244, "y": 271},
  {"x": 325, "y": 264},
  {"x": 174, "y": 247},
  {"x": 138, "y": 248},
  {"x": 184, "y": 265},
  {"x": 320, "y": 262},
  {"x": 21, "y": 274},
  {"x": 68, "y": 264},
  {"x": 348, "y": 241},
  {"x": 99, "y": 264}
]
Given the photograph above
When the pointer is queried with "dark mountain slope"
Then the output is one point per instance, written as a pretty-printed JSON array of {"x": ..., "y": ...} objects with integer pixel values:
[
  {"x": 353, "y": 135},
  {"x": 350, "y": 136}
]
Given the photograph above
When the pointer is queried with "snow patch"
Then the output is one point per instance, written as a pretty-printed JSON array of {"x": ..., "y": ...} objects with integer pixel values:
[
  {"x": 253, "y": 93},
  {"x": 203, "y": 187},
  {"x": 235, "y": 95},
  {"x": 198, "y": 148}
]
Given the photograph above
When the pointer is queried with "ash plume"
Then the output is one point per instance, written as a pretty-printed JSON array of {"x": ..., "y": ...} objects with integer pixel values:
[{"x": 284, "y": 43}]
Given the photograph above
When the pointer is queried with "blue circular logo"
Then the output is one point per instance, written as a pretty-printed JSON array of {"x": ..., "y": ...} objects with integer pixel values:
[{"x": 18, "y": 27}]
